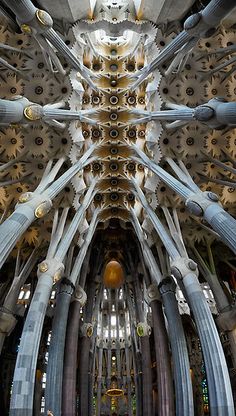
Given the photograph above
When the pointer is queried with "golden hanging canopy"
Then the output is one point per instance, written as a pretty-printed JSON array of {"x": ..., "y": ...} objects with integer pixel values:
[
  {"x": 115, "y": 392},
  {"x": 113, "y": 276}
]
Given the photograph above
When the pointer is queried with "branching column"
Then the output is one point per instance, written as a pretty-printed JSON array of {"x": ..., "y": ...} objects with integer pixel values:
[
  {"x": 7, "y": 318},
  {"x": 39, "y": 23},
  {"x": 24, "y": 376},
  {"x": 220, "y": 393},
  {"x": 201, "y": 204},
  {"x": 185, "y": 270},
  {"x": 198, "y": 25},
  {"x": 226, "y": 319},
  {"x": 49, "y": 272},
  {"x": 33, "y": 205}
]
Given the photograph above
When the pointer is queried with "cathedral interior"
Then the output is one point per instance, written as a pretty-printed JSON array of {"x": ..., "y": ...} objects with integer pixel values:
[{"x": 117, "y": 207}]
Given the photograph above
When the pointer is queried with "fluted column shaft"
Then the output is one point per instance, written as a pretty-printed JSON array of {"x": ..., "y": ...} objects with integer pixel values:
[
  {"x": 25, "y": 212},
  {"x": 92, "y": 365},
  {"x": 92, "y": 374},
  {"x": 128, "y": 378},
  {"x": 128, "y": 374},
  {"x": 226, "y": 319},
  {"x": 184, "y": 113},
  {"x": 109, "y": 365},
  {"x": 216, "y": 10},
  {"x": 220, "y": 394},
  {"x": 223, "y": 223},
  {"x": 195, "y": 27},
  {"x": 182, "y": 378},
  {"x": 202, "y": 204},
  {"x": 222, "y": 302},
  {"x": 60, "y": 45},
  {"x": 84, "y": 357},
  {"x": 146, "y": 376},
  {"x": 163, "y": 56},
  {"x": 10, "y": 301},
  {"x": 109, "y": 344},
  {"x": 136, "y": 355},
  {"x": 145, "y": 355},
  {"x": 12, "y": 111},
  {"x": 226, "y": 113},
  {"x": 185, "y": 270},
  {"x": 99, "y": 381},
  {"x": 14, "y": 227},
  {"x": 118, "y": 358},
  {"x": 23, "y": 9},
  {"x": 173, "y": 115},
  {"x": 26, "y": 14},
  {"x": 206, "y": 205},
  {"x": 24, "y": 376},
  {"x": 170, "y": 180},
  {"x": 53, "y": 392},
  {"x": 61, "y": 114},
  {"x": 50, "y": 268},
  {"x": 118, "y": 363},
  {"x": 84, "y": 376},
  {"x": 164, "y": 376},
  {"x": 232, "y": 340},
  {"x": 70, "y": 361},
  {"x": 138, "y": 380}
]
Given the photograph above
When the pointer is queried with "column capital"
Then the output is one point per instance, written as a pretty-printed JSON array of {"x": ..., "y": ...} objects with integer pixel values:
[
  {"x": 153, "y": 293},
  {"x": 198, "y": 202},
  {"x": 182, "y": 267},
  {"x": 41, "y": 204},
  {"x": 66, "y": 286},
  {"x": 7, "y": 321},
  {"x": 167, "y": 285},
  {"x": 226, "y": 320},
  {"x": 217, "y": 113},
  {"x": 80, "y": 295},
  {"x": 43, "y": 208},
  {"x": 195, "y": 25},
  {"x": 33, "y": 112},
  {"x": 87, "y": 329},
  {"x": 41, "y": 22},
  {"x": 143, "y": 329},
  {"x": 51, "y": 267}
]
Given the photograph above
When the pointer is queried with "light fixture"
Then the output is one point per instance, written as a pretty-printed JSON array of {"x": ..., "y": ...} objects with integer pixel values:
[
  {"x": 113, "y": 276},
  {"x": 115, "y": 392}
]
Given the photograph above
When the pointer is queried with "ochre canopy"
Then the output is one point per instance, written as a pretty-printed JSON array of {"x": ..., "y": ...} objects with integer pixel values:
[{"x": 113, "y": 276}]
